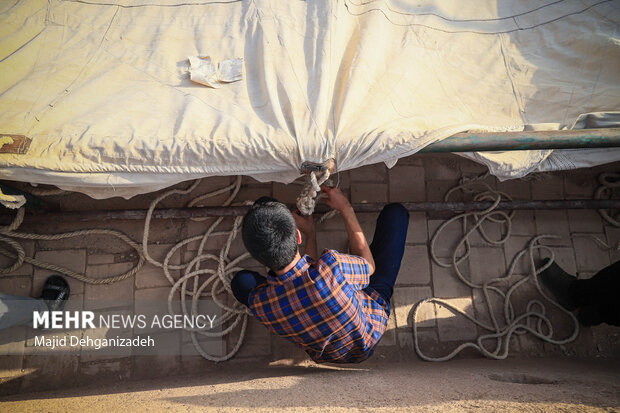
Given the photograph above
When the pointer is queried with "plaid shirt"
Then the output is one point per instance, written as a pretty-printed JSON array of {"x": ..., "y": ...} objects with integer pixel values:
[{"x": 321, "y": 307}]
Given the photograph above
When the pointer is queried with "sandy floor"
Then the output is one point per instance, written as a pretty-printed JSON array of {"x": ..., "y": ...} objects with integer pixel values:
[{"x": 474, "y": 384}]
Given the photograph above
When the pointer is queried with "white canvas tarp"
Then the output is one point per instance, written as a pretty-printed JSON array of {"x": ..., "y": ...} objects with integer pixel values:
[{"x": 102, "y": 86}]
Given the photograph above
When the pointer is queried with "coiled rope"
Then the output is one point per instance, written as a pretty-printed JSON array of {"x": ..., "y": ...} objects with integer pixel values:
[
  {"x": 609, "y": 182},
  {"x": 188, "y": 285},
  {"x": 218, "y": 279},
  {"x": 9, "y": 233},
  {"x": 533, "y": 320}
]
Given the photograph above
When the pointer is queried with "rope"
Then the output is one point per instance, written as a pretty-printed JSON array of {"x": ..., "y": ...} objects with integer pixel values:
[
  {"x": 306, "y": 201},
  {"x": 533, "y": 320},
  {"x": 609, "y": 181},
  {"x": 218, "y": 280},
  {"x": 9, "y": 233},
  {"x": 188, "y": 285}
]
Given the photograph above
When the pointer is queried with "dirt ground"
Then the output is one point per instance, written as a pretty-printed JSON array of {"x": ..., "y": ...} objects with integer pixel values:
[{"x": 525, "y": 385}]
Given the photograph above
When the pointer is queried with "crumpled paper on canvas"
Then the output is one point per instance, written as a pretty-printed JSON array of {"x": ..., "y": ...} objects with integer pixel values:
[{"x": 202, "y": 70}]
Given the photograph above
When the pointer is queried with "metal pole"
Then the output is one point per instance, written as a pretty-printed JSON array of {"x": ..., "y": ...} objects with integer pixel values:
[
  {"x": 509, "y": 141},
  {"x": 232, "y": 211},
  {"x": 527, "y": 140}
]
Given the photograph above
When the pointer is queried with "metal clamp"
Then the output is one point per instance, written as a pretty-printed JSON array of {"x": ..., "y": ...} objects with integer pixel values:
[{"x": 308, "y": 167}]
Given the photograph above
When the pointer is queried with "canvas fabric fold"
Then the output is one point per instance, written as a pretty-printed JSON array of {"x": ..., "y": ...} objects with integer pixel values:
[{"x": 102, "y": 87}]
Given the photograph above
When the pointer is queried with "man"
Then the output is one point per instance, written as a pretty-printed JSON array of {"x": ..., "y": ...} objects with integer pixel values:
[{"x": 334, "y": 306}]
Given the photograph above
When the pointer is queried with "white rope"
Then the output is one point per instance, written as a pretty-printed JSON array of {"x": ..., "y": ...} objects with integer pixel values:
[
  {"x": 192, "y": 282},
  {"x": 601, "y": 244},
  {"x": 533, "y": 320},
  {"x": 306, "y": 201},
  {"x": 609, "y": 181},
  {"x": 9, "y": 234}
]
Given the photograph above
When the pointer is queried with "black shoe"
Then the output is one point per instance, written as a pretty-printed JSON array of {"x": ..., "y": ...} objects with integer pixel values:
[
  {"x": 55, "y": 293},
  {"x": 559, "y": 283}
]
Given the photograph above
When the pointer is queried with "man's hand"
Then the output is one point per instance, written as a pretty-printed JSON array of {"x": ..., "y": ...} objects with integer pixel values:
[
  {"x": 335, "y": 198},
  {"x": 305, "y": 224}
]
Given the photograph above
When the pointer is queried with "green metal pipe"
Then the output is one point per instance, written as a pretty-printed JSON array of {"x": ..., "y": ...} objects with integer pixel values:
[{"x": 527, "y": 140}]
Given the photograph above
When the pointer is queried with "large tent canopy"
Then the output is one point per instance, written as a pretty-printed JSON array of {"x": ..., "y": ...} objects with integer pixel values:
[{"x": 102, "y": 86}]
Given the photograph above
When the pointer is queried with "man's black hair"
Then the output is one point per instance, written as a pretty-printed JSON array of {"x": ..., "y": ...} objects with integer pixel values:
[{"x": 269, "y": 233}]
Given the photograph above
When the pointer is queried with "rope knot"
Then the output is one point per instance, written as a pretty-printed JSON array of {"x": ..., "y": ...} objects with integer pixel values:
[{"x": 306, "y": 201}]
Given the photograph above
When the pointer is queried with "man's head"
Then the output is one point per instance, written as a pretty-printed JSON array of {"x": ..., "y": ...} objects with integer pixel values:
[{"x": 270, "y": 234}]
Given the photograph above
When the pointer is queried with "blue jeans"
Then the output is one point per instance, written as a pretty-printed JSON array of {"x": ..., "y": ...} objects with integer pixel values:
[{"x": 387, "y": 247}]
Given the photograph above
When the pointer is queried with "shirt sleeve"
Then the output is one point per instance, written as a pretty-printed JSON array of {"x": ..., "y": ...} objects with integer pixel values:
[{"x": 355, "y": 269}]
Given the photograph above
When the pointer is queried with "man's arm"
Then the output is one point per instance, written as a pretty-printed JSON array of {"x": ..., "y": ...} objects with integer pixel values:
[
  {"x": 305, "y": 224},
  {"x": 357, "y": 240}
]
